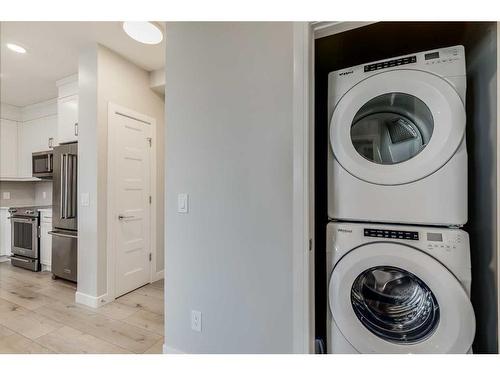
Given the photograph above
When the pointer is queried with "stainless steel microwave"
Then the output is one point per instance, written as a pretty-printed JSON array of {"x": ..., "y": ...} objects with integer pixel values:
[{"x": 42, "y": 164}]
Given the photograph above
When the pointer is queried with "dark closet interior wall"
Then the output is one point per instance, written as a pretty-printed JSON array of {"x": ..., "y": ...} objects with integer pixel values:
[
  {"x": 389, "y": 39},
  {"x": 481, "y": 53}
]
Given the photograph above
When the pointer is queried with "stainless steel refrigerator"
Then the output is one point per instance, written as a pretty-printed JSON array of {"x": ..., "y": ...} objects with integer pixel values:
[{"x": 64, "y": 212}]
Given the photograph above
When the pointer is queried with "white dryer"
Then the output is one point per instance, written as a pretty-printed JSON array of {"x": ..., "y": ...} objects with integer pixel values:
[
  {"x": 398, "y": 289},
  {"x": 397, "y": 140}
]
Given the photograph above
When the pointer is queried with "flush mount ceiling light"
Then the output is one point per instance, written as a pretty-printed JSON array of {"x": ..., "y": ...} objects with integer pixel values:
[
  {"x": 144, "y": 32},
  {"x": 16, "y": 48}
]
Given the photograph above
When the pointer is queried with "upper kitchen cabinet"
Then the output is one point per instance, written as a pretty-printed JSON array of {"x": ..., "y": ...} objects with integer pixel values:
[
  {"x": 37, "y": 132},
  {"x": 8, "y": 149},
  {"x": 67, "y": 109}
]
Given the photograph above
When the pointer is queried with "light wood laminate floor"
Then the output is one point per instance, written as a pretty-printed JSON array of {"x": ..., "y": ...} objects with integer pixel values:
[{"x": 39, "y": 315}]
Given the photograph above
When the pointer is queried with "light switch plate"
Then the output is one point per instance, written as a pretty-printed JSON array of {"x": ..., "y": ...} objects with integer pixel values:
[
  {"x": 182, "y": 203},
  {"x": 196, "y": 320},
  {"x": 85, "y": 199},
  {"x": 6, "y": 195}
]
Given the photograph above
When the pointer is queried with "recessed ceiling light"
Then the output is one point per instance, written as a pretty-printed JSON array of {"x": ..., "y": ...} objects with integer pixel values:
[
  {"x": 144, "y": 32},
  {"x": 16, "y": 48}
]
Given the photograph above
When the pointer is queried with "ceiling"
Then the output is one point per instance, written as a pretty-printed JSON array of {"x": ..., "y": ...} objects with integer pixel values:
[{"x": 53, "y": 49}]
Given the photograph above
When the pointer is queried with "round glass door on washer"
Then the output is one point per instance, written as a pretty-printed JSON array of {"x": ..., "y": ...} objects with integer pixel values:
[
  {"x": 393, "y": 296},
  {"x": 397, "y": 140}
]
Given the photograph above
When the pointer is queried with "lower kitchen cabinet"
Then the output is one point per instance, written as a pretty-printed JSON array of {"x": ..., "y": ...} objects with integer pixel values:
[{"x": 46, "y": 239}]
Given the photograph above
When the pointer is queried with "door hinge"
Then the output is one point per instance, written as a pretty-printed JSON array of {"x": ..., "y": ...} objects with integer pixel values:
[
  {"x": 150, "y": 141},
  {"x": 150, "y": 199},
  {"x": 150, "y": 257}
]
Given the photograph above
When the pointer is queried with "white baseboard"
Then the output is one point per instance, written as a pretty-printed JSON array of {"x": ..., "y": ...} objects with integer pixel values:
[
  {"x": 171, "y": 350},
  {"x": 91, "y": 301},
  {"x": 46, "y": 268},
  {"x": 4, "y": 258},
  {"x": 159, "y": 275}
]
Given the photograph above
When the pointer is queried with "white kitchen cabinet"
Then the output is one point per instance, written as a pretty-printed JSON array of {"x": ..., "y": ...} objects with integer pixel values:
[
  {"x": 67, "y": 123},
  {"x": 5, "y": 233},
  {"x": 35, "y": 135},
  {"x": 46, "y": 239},
  {"x": 8, "y": 149}
]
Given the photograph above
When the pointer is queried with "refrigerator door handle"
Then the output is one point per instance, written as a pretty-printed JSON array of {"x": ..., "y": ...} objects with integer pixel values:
[
  {"x": 66, "y": 172},
  {"x": 73, "y": 182},
  {"x": 63, "y": 187},
  {"x": 69, "y": 188}
]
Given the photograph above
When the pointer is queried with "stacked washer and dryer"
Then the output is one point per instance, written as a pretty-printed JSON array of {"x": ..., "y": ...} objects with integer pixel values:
[{"x": 398, "y": 265}]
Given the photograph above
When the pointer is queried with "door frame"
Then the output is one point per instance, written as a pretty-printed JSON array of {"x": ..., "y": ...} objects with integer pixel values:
[
  {"x": 110, "y": 207},
  {"x": 304, "y": 34},
  {"x": 303, "y": 254},
  {"x": 498, "y": 190}
]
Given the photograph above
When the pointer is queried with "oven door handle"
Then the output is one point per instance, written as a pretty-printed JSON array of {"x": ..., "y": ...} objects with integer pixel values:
[
  {"x": 21, "y": 220},
  {"x": 19, "y": 259},
  {"x": 60, "y": 234}
]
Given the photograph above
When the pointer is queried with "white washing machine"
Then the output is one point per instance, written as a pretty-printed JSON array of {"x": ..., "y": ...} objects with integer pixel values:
[
  {"x": 397, "y": 140},
  {"x": 398, "y": 289}
]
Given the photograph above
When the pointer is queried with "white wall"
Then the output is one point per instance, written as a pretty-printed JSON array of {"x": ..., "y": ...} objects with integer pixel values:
[
  {"x": 229, "y": 146},
  {"x": 88, "y": 225},
  {"x": 106, "y": 77}
]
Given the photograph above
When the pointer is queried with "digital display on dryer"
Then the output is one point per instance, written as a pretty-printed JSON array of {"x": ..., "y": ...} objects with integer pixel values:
[
  {"x": 438, "y": 237},
  {"x": 394, "y": 234},
  {"x": 432, "y": 55}
]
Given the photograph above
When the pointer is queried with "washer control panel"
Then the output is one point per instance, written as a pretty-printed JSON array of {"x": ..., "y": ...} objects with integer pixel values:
[{"x": 395, "y": 234}]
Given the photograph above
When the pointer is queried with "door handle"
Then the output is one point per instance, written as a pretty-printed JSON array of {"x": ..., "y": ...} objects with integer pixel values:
[
  {"x": 76, "y": 129},
  {"x": 121, "y": 217}
]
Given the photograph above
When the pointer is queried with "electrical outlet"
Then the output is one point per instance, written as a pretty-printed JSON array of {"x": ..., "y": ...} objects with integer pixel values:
[
  {"x": 196, "y": 320},
  {"x": 6, "y": 195}
]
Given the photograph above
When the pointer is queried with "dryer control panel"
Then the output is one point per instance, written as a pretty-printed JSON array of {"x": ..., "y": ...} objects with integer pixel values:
[{"x": 390, "y": 63}]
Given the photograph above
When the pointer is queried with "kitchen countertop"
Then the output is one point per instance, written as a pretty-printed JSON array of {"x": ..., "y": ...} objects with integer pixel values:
[{"x": 40, "y": 208}]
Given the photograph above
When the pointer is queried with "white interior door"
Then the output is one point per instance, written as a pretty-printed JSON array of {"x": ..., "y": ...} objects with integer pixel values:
[{"x": 130, "y": 160}]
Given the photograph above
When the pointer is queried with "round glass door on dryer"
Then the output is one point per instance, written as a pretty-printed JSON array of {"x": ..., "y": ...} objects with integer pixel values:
[
  {"x": 397, "y": 138},
  {"x": 392, "y": 298}
]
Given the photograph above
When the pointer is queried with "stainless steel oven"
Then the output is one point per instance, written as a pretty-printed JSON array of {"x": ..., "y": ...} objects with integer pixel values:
[
  {"x": 25, "y": 237},
  {"x": 42, "y": 164}
]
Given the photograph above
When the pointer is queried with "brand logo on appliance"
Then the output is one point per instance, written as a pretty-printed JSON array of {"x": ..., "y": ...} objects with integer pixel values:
[
  {"x": 344, "y": 230},
  {"x": 346, "y": 73}
]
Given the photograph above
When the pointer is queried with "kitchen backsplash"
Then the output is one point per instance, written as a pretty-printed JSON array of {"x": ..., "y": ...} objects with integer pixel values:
[
  {"x": 25, "y": 193},
  {"x": 43, "y": 193}
]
